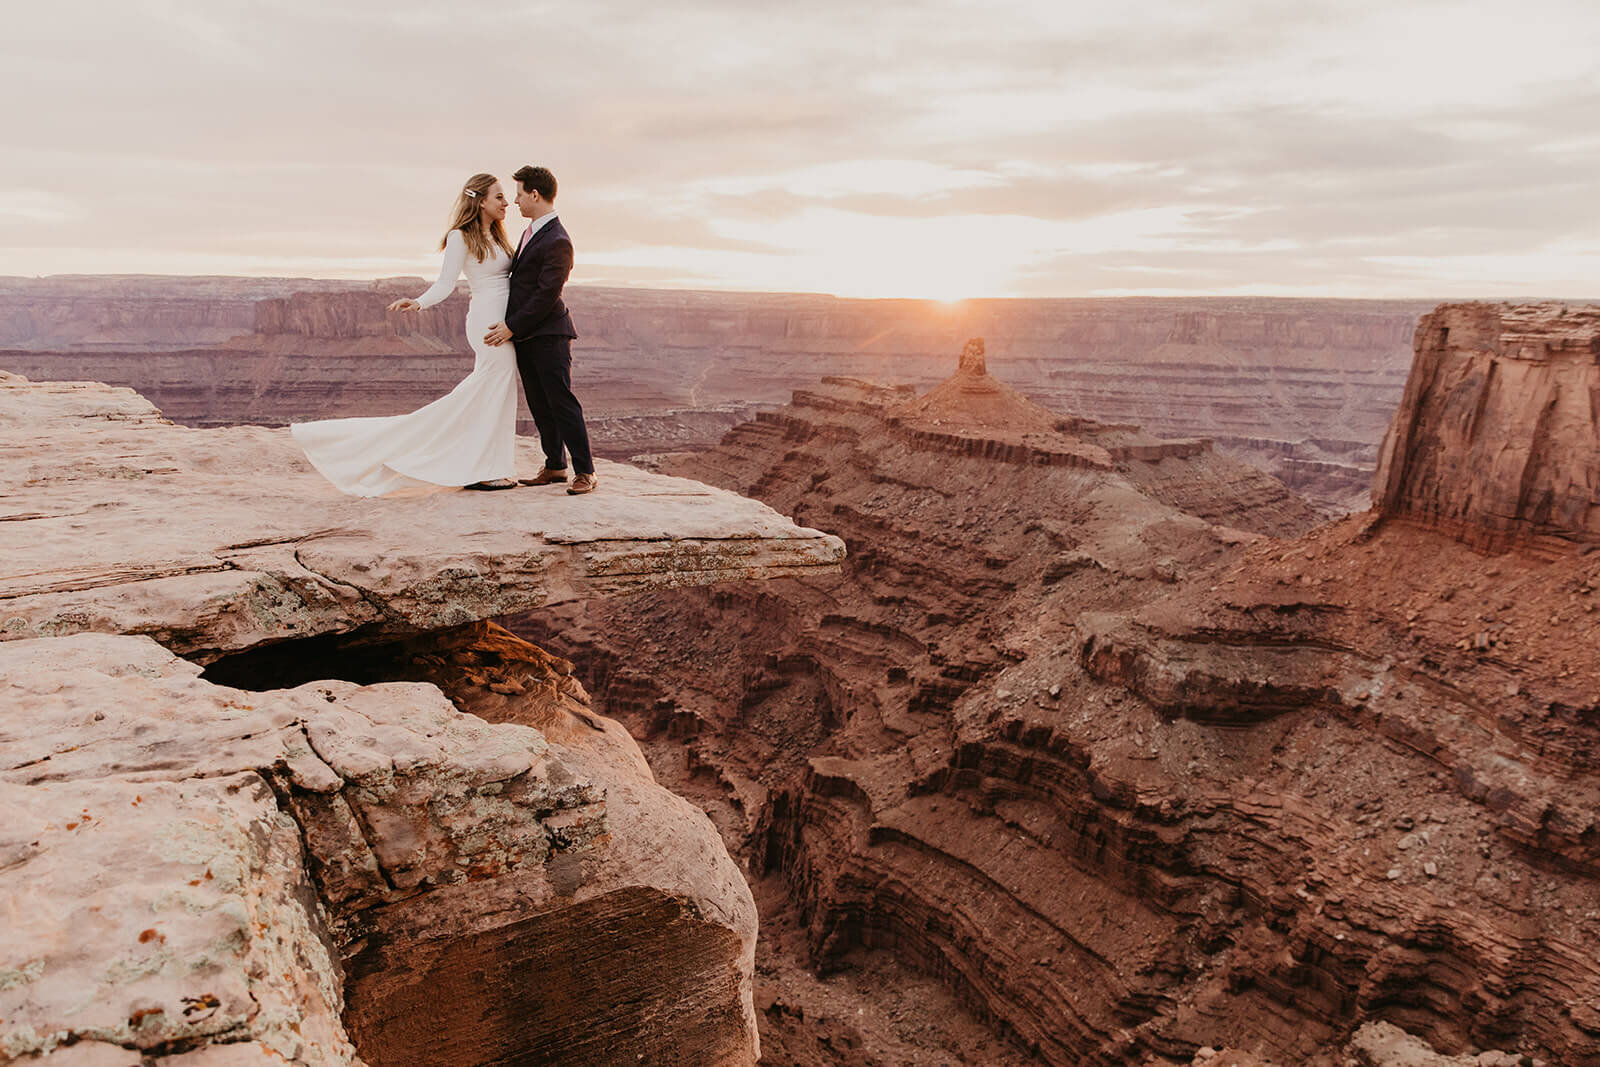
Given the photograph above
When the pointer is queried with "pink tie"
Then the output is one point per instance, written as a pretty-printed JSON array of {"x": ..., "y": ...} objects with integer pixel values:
[{"x": 525, "y": 235}]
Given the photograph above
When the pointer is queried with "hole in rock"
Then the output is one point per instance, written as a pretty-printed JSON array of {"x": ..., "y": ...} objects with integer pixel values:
[
  {"x": 482, "y": 668},
  {"x": 349, "y": 657}
]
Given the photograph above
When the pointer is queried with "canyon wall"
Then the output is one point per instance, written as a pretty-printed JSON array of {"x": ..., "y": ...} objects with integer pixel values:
[
  {"x": 1108, "y": 757},
  {"x": 1303, "y": 388},
  {"x": 1497, "y": 438}
]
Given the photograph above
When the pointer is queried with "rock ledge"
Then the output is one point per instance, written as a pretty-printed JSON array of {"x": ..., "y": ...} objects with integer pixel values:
[{"x": 113, "y": 520}]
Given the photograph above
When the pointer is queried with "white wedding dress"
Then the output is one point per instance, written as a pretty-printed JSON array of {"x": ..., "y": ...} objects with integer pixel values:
[{"x": 468, "y": 435}]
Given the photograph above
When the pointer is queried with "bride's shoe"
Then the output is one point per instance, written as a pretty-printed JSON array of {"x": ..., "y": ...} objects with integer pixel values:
[{"x": 495, "y": 483}]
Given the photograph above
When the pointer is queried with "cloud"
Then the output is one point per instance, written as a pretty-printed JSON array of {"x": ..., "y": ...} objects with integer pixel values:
[{"x": 1198, "y": 148}]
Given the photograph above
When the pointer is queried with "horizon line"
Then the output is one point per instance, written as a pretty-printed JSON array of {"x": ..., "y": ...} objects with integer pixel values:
[{"x": 694, "y": 290}]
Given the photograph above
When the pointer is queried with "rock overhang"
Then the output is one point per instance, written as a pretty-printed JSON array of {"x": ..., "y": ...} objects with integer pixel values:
[
  {"x": 114, "y": 520},
  {"x": 133, "y": 552}
]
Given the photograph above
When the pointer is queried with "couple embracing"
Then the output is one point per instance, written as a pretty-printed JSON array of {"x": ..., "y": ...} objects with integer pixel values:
[{"x": 517, "y": 326}]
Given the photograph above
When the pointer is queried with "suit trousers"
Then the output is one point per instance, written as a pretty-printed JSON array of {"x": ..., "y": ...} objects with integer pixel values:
[{"x": 545, "y": 364}]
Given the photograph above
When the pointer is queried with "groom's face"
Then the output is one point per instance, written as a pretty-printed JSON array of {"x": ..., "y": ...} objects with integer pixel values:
[{"x": 529, "y": 203}]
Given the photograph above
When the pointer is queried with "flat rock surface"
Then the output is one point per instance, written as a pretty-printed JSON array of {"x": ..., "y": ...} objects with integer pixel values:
[{"x": 114, "y": 520}]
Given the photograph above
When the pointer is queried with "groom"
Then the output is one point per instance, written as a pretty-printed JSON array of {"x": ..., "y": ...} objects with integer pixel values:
[{"x": 538, "y": 324}]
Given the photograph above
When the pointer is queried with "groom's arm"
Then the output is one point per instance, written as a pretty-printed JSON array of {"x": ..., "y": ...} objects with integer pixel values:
[{"x": 553, "y": 274}]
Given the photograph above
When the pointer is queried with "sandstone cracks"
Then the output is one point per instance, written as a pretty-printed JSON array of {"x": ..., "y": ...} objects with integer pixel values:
[
  {"x": 150, "y": 793},
  {"x": 192, "y": 864}
]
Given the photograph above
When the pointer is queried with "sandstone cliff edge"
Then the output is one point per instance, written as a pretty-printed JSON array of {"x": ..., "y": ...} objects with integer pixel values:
[{"x": 280, "y": 793}]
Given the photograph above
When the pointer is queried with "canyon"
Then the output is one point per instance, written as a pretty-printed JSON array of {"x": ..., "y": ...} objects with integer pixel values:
[
  {"x": 1101, "y": 749},
  {"x": 923, "y": 718},
  {"x": 1301, "y": 388}
]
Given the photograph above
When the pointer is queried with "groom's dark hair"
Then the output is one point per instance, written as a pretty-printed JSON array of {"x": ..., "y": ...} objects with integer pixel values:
[{"x": 536, "y": 180}]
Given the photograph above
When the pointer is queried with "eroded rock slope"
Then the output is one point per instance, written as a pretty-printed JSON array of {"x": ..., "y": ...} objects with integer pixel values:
[{"x": 1120, "y": 755}]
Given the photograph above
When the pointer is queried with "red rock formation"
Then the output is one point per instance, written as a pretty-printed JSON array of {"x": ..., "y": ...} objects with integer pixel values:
[
  {"x": 1122, "y": 782},
  {"x": 974, "y": 399},
  {"x": 207, "y": 870},
  {"x": 950, "y": 546},
  {"x": 1497, "y": 439},
  {"x": 632, "y": 951}
]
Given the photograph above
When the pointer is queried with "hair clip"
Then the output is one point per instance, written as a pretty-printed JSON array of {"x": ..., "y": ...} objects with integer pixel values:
[{"x": 471, "y": 192}]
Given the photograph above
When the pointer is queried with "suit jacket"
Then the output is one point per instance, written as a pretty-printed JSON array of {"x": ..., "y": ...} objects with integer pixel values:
[{"x": 534, "y": 307}]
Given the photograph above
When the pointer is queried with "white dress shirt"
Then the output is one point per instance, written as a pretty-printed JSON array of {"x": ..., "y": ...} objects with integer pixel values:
[{"x": 534, "y": 227}]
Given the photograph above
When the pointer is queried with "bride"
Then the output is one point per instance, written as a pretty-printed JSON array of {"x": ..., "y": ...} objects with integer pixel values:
[{"x": 467, "y": 436}]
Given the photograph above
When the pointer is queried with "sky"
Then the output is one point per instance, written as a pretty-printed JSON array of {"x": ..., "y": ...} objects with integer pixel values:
[{"x": 942, "y": 149}]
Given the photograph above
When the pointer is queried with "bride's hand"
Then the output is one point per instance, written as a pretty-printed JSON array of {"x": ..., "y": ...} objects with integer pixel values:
[{"x": 405, "y": 304}]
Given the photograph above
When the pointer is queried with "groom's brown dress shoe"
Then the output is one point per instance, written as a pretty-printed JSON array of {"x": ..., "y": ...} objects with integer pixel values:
[
  {"x": 583, "y": 483},
  {"x": 546, "y": 476},
  {"x": 494, "y": 483}
]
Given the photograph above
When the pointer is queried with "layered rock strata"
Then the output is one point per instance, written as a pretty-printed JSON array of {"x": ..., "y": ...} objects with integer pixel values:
[
  {"x": 1128, "y": 780},
  {"x": 248, "y": 855},
  {"x": 1432, "y": 778},
  {"x": 1303, "y": 388},
  {"x": 828, "y": 694},
  {"x": 1497, "y": 439}
]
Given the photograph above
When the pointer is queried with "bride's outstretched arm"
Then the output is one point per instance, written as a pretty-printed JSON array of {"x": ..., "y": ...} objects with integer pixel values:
[{"x": 455, "y": 257}]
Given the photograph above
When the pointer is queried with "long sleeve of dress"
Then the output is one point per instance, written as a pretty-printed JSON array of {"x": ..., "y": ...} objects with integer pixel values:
[{"x": 455, "y": 257}]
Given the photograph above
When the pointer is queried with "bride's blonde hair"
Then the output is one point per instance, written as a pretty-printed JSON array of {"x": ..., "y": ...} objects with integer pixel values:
[{"x": 467, "y": 216}]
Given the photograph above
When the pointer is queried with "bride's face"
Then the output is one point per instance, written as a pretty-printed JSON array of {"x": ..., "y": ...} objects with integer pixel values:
[{"x": 495, "y": 203}]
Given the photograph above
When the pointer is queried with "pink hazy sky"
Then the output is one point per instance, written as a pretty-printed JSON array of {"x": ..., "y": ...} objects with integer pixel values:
[{"x": 930, "y": 149}]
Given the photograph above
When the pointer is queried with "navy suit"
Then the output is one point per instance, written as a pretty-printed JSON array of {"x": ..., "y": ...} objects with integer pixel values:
[{"x": 541, "y": 329}]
